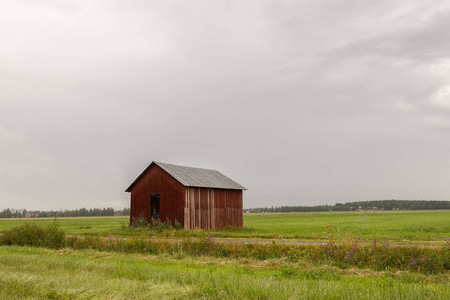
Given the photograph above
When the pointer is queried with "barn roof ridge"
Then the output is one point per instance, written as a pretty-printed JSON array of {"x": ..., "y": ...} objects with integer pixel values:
[
  {"x": 194, "y": 177},
  {"x": 175, "y": 165}
]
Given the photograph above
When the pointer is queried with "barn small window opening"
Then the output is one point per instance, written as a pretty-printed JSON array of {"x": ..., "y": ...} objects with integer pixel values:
[{"x": 154, "y": 206}]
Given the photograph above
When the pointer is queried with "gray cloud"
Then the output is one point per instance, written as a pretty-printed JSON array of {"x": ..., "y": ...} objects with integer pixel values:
[{"x": 302, "y": 102}]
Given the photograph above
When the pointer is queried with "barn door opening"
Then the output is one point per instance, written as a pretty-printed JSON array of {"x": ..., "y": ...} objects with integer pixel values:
[{"x": 154, "y": 206}]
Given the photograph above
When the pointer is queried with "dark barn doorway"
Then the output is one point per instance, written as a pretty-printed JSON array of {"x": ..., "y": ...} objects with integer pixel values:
[{"x": 154, "y": 206}]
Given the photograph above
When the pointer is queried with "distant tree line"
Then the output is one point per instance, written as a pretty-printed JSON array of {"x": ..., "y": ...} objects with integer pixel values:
[
  {"x": 82, "y": 212},
  {"x": 361, "y": 205}
]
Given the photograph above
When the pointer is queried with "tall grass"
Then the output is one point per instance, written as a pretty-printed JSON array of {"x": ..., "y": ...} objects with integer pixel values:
[
  {"x": 340, "y": 253},
  {"x": 30, "y": 273}
]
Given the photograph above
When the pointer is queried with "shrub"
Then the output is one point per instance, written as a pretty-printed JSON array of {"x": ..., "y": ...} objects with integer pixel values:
[
  {"x": 159, "y": 226},
  {"x": 26, "y": 235},
  {"x": 34, "y": 235},
  {"x": 55, "y": 237},
  {"x": 141, "y": 223}
]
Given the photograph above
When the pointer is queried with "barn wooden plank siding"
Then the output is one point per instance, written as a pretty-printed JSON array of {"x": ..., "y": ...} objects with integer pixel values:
[
  {"x": 213, "y": 208},
  {"x": 194, "y": 197}
]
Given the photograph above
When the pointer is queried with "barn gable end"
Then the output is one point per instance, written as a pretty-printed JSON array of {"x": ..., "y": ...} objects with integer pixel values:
[{"x": 155, "y": 180}]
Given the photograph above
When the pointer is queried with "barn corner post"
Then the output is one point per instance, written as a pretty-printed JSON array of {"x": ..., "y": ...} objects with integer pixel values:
[{"x": 194, "y": 197}]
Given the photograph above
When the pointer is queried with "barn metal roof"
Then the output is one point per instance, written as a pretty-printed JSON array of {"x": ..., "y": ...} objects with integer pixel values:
[{"x": 195, "y": 177}]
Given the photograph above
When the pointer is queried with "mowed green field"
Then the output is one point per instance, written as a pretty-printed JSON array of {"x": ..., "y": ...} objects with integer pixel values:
[
  {"x": 38, "y": 273},
  {"x": 380, "y": 225},
  {"x": 397, "y": 226},
  {"x": 79, "y": 225}
]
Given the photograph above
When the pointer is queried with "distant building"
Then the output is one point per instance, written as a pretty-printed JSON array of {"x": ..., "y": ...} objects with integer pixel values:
[{"x": 31, "y": 215}]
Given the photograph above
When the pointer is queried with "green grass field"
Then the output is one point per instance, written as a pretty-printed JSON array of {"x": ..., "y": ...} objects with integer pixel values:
[
  {"x": 40, "y": 273},
  {"x": 400, "y": 226},
  {"x": 37, "y": 273},
  {"x": 81, "y": 225}
]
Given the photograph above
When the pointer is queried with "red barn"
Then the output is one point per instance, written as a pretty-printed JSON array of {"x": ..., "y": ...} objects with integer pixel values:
[{"x": 194, "y": 197}]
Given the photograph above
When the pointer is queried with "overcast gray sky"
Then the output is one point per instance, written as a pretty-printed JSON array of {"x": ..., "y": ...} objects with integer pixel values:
[{"x": 303, "y": 102}]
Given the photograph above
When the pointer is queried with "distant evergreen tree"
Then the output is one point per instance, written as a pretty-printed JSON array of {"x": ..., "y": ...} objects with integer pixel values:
[
  {"x": 366, "y": 205},
  {"x": 82, "y": 212}
]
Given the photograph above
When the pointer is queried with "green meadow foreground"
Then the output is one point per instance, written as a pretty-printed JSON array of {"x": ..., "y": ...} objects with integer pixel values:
[
  {"x": 37, "y": 273},
  {"x": 362, "y": 255}
]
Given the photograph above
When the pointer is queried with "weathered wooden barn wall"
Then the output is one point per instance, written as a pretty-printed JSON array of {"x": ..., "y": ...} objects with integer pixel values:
[
  {"x": 157, "y": 181},
  {"x": 210, "y": 208}
]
